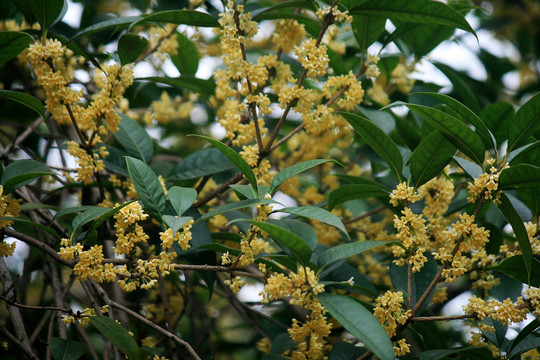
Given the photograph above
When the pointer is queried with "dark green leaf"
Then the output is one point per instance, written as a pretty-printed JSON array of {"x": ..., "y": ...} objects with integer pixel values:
[
  {"x": 187, "y": 58},
  {"x": 511, "y": 215},
  {"x": 70, "y": 210},
  {"x": 522, "y": 151},
  {"x": 32, "y": 224},
  {"x": 201, "y": 163},
  {"x": 525, "y": 123},
  {"x": 175, "y": 222},
  {"x": 48, "y": 12},
  {"x": 62, "y": 349},
  {"x": 130, "y": 47},
  {"x": 466, "y": 115},
  {"x": 115, "y": 333},
  {"x": 25, "y": 99},
  {"x": 90, "y": 214},
  {"x": 185, "y": 17},
  {"x": 12, "y": 43},
  {"x": 472, "y": 169},
  {"x": 234, "y": 206},
  {"x": 465, "y": 352},
  {"x": 294, "y": 170},
  {"x": 513, "y": 267},
  {"x": 378, "y": 140},
  {"x": 419, "y": 11},
  {"x": 235, "y": 158},
  {"x": 497, "y": 118},
  {"x": 457, "y": 133},
  {"x": 316, "y": 213},
  {"x": 461, "y": 87},
  {"x": 246, "y": 191},
  {"x": 352, "y": 192},
  {"x": 521, "y": 176},
  {"x": 297, "y": 246},
  {"x": 121, "y": 22},
  {"x": 299, "y": 228},
  {"x": 147, "y": 186},
  {"x": 367, "y": 30},
  {"x": 22, "y": 172},
  {"x": 357, "y": 320},
  {"x": 530, "y": 328},
  {"x": 430, "y": 157},
  {"x": 291, "y": 4},
  {"x": 181, "y": 198},
  {"x": 530, "y": 342},
  {"x": 344, "y": 251},
  {"x": 134, "y": 138},
  {"x": 203, "y": 87}
]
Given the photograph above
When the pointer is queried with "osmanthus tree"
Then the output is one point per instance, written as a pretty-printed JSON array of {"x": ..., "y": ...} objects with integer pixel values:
[{"x": 356, "y": 200}]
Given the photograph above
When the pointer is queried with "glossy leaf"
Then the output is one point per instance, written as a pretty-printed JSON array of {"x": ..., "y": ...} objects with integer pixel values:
[
  {"x": 27, "y": 100},
  {"x": 497, "y": 118},
  {"x": 513, "y": 267},
  {"x": 130, "y": 47},
  {"x": 12, "y": 43},
  {"x": 367, "y": 29},
  {"x": 419, "y": 11},
  {"x": 430, "y": 157},
  {"x": 22, "y": 172},
  {"x": 204, "y": 87},
  {"x": 184, "y": 17},
  {"x": 378, "y": 141},
  {"x": 317, "y": 213},
  {"x": 134, "y": 138},
  {"x": 121, "y": 22},
  {"x": 466, "y": 115},
  {"x": 291, "y": 4},
  {"x": 344, "y": 251},
  {"x": 511, "y": 215},
  {"x": 62, "y": 349},
  {"x": 175, "y": 222},
  {"x": 521, "y": 176},
  {"x": 47, "y": 12},
  {"x": 357, "y": 320},
  {"x": 530, "y": 328},
  {"x": 115, "y": 333},
  {"x": 31, "y": 224},
  {"x": 472, "y": 169},
  {"x": 147, "y": 186},
  {"x": 294, "y": 170},
  {"x": 303, "y": 230},
  {"x": 525, "y": 123},
  {"x": 523, "y": 151},
  {"x": 465, "y": 352},
  {"x": 201, "y": 163},
  {"x": 294, "y": 243},
  {"x": 356, "y": 191},
  {"x": 457, "y": 133},
  {"x": 181, "y": 198},
  {"x": 187, "y": 58},
  {"x": 234, "y": 206},
  {"x": 235, "y": 158}
]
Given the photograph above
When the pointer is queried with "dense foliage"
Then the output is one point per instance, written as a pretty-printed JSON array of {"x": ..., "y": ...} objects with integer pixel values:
[{"x": 267, "y": 179}]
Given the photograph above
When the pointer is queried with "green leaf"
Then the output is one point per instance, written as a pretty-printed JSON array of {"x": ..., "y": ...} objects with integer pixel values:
[
  {"x": 245, "y": 190},
  {"x": 354, "y": 191},
  {"x": 187, "y": 58},
  {"x": 134, "y": 138},
  {"x": 378, "y": 141},
  {"x": 70, "y": 210},
  {"x": 184, "y": 17},
  {"x": 22, "y": 172},
  {"x": 430, "y": 157},
  {"x": 201, "y": 163},
  {"x": 513, "y": 267},
  {"x": 511, "y": 215},
  {"x": 460, "y": 85},
  {"x": 525, "y": 123},
  {"x": 204, "y": 87},
  {"x": 234, "y": 206},
  {"x": 357, "y": 320},
  {"x": 115, "y": 333},
  {"x": 12, "y": 43},
  {"x": 175, "y": 222},
  {"x": 147, "y": 186},
  {"x": 367, "y": 29},
  {"x": 294, "y": 170},
  {"x": 47, "y": 12},
  {"x": 530, "y": 328},
  {"x": 181, "y": 198},
  {"x": 522, "y": 151},
  {"x": 465, "y": 352},
  {"x": 31, "y": 223},
  {"x": 418, "y": 11},
  {"x": 521, "y": 176},
  {"x": 235, "y": 158},
  {"x": 303, "y": 230},
  {"x": 466, "y": 115},
  {"x": 130, "y": 47},
  {"x": 341, "y": 252},
  {"x": 120, "y": 22},
  {"x": 292, "y": 4},
  {"x": 472, "y": 169},
  {"x": 25, "y": 99},
  {"x": 62, "y": 349},
  {"x": 297, "y": 246},
  {"x": 316, "y": 213},
  {"x": 497, "y": 118},
  {"x": 457, "y": 133},
  {"x": 90, "y": 214}
]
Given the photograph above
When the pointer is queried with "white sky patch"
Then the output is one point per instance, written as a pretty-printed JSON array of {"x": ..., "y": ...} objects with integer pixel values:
[{"x": 73, "y": 14}]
